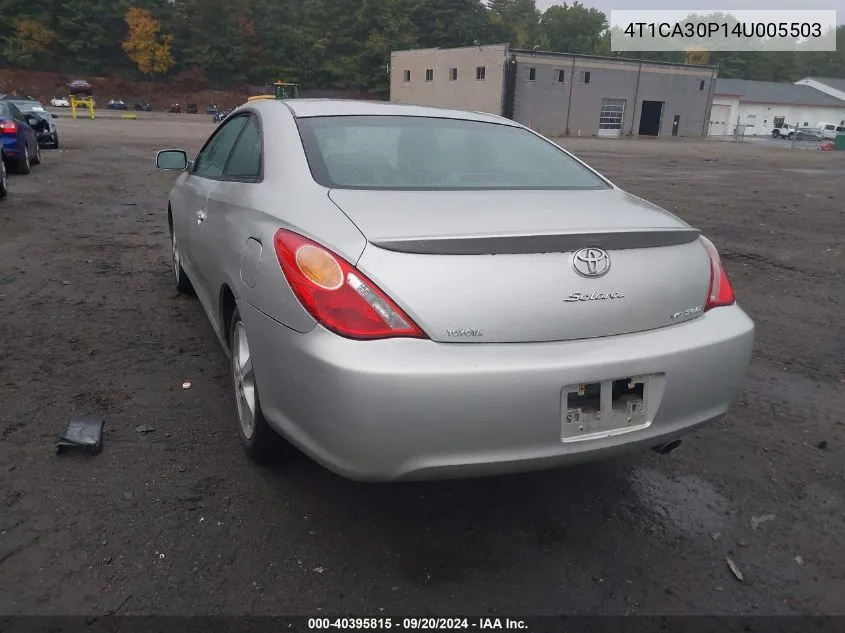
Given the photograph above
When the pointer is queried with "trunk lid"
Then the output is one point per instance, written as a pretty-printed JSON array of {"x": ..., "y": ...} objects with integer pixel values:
[{"x": 499, "y": 266}]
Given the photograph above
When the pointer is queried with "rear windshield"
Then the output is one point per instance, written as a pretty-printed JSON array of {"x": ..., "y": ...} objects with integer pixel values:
[{"x": 401, "y": 152}]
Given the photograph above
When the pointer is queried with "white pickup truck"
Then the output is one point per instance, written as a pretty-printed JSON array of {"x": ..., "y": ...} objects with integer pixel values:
[{"x": 829, "y": 131}]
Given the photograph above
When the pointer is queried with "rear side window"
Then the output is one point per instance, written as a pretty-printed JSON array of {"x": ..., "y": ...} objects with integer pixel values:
[
  {"x": 212, "y": 158},
  {"x": 427, "y": 153},
  {"x": 245, "y": 161},
  {"x": 16, "y": 113}
]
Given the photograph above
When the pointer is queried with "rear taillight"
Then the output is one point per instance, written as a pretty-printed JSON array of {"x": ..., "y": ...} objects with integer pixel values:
[
  {"x": 337, "y": 294},
  {"x": 8, "y": 127},
  {"x": 721, "y": 293}
]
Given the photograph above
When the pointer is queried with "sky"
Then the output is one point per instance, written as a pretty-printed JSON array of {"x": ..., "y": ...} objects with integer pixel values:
[{"x": 785, "y": 5}]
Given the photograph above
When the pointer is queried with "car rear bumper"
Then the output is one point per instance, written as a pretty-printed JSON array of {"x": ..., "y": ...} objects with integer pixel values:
[
  {"x": 415, "y": 409},
  {"x": 11, "y": 148}
]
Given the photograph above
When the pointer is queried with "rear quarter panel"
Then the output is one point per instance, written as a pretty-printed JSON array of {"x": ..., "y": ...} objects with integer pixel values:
[{"x": 287, "y": 197}]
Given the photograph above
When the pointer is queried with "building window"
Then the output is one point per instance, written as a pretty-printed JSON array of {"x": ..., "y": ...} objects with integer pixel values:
[
  {"x": 453, "y": 74},
  {"x": 611, "y": 113},
  {"x": 532, "y": 74},
  {"x": 480, "y": 72},
  {"x": 429, "y": 74},
  {"x": 560, "y": 75},
  {"x": 585, "y": 77},
  {"x": 806, "y": 123},
  {"x": 701, "y": 86},
  {"x": 406, "y": 76}
]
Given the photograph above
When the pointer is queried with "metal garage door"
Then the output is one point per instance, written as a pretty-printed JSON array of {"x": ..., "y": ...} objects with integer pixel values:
[{"x": 719, "y": 125}]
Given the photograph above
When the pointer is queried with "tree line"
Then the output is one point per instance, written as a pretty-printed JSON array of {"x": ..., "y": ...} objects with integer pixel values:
[{"x": 339, "y": 44}]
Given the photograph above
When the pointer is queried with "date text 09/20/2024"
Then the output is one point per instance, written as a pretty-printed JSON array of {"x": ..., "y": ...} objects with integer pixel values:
[{"x": 417, "y": 624}]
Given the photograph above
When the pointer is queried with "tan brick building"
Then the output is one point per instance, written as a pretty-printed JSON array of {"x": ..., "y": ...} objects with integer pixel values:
[{"x": 558, "y": 93}]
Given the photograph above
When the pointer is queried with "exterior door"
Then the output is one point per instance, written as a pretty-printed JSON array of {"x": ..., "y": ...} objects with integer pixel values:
[
  {"x": 719, "y": 124},
  {"x": 676, "y": 123},
  {"x": 224, "y": 232},
  {"x": 199, "y": 184}
]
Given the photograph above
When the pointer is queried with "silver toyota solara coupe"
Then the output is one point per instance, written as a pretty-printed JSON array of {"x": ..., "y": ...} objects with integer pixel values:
[{"x": 411, "y": 293}]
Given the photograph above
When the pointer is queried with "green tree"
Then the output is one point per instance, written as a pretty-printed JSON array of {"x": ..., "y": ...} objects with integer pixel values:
[
  {"x": 29, "y": 43},
  {"x": 387, "y": 28},
  {"x": 573, "y": 28},
  {"x": 519, "y": 18}
]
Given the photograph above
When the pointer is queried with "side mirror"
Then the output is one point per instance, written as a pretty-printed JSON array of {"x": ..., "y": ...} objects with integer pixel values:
[{"x": 172, "y": 159}]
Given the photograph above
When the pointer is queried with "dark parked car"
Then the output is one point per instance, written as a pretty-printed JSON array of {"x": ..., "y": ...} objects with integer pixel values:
[
  {"x": 174, "y": 107},
  {"x": 44, "y": 123},
  {"x": 143, "y": 106},
  {"x": 212, "y": 109},
  {"x": 117, "y": 104},
  {"x": 45, "y": 130},
  {"x": 80, "y": 88},
  {"x": 19, "y": 140}
]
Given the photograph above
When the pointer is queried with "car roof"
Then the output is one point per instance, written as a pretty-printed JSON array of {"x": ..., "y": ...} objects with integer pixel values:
[
  {"x": 350, "y": 107},
  {"x": 18, "y": 98}
]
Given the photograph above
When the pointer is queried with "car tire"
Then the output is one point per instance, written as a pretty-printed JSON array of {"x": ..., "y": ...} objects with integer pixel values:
[
  {"x": 258, "y": 439},
  {"x": 36, "y": 160},
  {"x": 791, "y": 136},
  {"x": 24, "y": 165},
  {"x": 3, "y": 188},
  {"x": 55, "y": 140},
  {"x": 180, "y": 279}
]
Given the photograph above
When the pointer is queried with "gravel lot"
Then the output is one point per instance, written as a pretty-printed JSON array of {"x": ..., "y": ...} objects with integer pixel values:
[{"x": 178, "y": 521}]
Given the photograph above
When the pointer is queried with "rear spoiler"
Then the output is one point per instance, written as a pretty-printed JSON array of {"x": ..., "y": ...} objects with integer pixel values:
[{"x": 514, "y": 244}]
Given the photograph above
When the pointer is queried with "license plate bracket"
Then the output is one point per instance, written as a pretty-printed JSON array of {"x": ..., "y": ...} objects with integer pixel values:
[{"x": 604, "y": 408}]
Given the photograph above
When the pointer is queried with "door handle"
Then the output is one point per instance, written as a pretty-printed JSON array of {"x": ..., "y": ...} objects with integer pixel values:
[{"x": 200, "y": 216}]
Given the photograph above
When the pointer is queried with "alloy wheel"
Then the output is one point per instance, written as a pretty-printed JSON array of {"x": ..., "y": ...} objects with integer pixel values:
[
  {"x": 244, "y": 377},
  {"x": 177, "y": 263}
]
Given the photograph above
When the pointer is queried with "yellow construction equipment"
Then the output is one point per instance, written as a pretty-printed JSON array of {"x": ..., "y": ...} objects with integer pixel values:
[
  {"x": 81, "y": 95},
  {"x": 278, "y": 90},
  {"x": 81, "y": 102}
]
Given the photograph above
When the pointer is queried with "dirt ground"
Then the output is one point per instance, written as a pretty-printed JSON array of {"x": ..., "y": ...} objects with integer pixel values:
[{"x": 178, "y": 521}]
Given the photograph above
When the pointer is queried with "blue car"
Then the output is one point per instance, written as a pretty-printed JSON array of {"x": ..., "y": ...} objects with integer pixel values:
[
  {"x": 20, "y": 142},
  {"x": 3, "y": 189}
]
